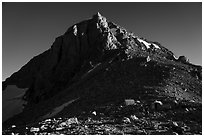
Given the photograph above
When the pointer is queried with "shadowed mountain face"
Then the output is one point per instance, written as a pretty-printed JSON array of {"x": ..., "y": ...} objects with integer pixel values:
[{"x": 96, "y": 62}]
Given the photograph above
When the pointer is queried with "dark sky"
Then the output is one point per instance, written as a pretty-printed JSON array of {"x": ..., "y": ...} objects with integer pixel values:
[{"x": 28, "y": 29}]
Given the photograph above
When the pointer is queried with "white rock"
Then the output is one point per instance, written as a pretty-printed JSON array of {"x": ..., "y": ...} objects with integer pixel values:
[
  {"x": 148, "y": 59},
  {"x": 156, "y": 105},
  {"x": 72, "y": 121},
  {"x": 43, "y": 127},
  {"x": 129, "y": 102},
  {"x": 63, "y": 124},
  {"x": 187, "y": 109},
  {"x": 94, "y": 113},
  {"x": 59, "y": 128},
  {"x": 13, "y": 126},
  {"x": 158, "y": 102},
  {"x": 75, "y": 30},
  {"x": 33, "y": 129},
  {"x": 126, "y": 120},
  {"x": 98, "y": 14},
  {"x": 133, "y": 117},
  {"x": 175, "y": 124},
  {"x": 138, "y": 101},
  {"x": 192, "y": 101},
  {"x": 176, "y": 58},
  {"x": 48, "y": 120}
]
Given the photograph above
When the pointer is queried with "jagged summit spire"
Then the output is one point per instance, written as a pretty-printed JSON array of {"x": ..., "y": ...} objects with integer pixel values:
[{"x": 98, "y": 14}]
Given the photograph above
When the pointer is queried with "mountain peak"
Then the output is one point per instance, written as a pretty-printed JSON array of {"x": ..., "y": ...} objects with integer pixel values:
[
  {"x": 98, "y": 52},
  {"x": 98, "y": 14}
]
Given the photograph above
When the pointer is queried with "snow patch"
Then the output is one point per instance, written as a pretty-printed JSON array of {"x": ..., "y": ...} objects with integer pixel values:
[
  {"x": 12, "y": 102},
  {"x": 148, "y": 44},
  {"x": 58, "y": 109},
  {"x": 91, "y": 70},
  {"x": 75, "y": 30},
  {"x": 145, "y": 43},
  {"x": 156, "y": 46}
]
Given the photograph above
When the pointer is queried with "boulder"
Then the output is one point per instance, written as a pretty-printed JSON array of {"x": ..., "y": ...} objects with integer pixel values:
[
  {"x": 148, "y": 59},
  {"x": 183, "y": 59},
  {"x": 157, "y": 105},
  {"x": 129, "y": 102},
  {"x": 126, "y": 120},
  {"x": 33, "y": 129}
]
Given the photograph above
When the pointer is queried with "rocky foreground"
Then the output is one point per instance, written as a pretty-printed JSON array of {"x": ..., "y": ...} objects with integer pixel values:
[
  {"x": 98, "y": 78},
  {"x": 178, "y": 118}
]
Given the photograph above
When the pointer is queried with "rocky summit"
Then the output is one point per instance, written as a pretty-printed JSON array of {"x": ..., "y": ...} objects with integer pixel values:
[{"x": 98, "y": 78}]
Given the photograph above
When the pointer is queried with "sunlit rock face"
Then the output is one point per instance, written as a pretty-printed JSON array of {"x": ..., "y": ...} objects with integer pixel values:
[{"x": 12, "y": 101}]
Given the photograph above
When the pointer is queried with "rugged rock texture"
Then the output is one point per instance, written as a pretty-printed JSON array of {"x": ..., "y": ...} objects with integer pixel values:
[{"x": 98, "y": 61}]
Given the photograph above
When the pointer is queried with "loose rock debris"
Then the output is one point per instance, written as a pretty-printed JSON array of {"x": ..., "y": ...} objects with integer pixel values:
[{"x": 124, "y": 119}]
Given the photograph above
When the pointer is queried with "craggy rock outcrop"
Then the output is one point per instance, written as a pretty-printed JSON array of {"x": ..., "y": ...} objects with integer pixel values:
[{"x": 183, "y": 59}]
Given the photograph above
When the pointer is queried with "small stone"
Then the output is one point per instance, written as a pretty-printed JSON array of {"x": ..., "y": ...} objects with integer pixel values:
[
  {"x": 63, "y": 124},
  {"x": 133, "y": 117},
  {"x": 94, "y": 113},
  {"x": 59, "y": 128},
  {"x": 148, "y": 59},
  {"x": 156, "y": 105},
  {"x": 72, "y": 121},
  {"x": 43, "y": 127},
  {"x": 174, "y": 133},
  {"x": 138, "y": 101},
  {"x": 126, "y": 120},
  {"x": 187, "y": 109},
  {"x": 48, "y": 120},
  {"x": 175, "y": 124},
  {"x": 33, "y": 129},
  {"x": 175, "y": 102},
  {"x": 13, "y": 126},
  {"x": 192, "y": 101}
]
